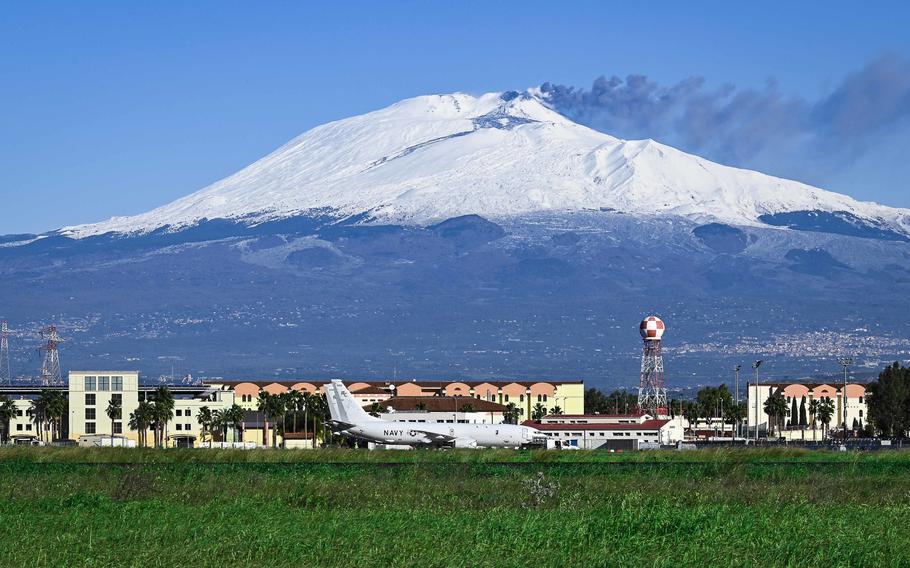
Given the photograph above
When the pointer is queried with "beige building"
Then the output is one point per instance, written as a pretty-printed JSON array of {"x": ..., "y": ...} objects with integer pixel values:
[
  {"x": 90, "y": 393},
  {"x": 21, "y": 424}
]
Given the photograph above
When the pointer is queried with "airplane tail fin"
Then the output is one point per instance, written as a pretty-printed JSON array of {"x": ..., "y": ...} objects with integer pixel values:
[
  {"x": 334, "y": 409},
  {"x": 342, "y": 402}
]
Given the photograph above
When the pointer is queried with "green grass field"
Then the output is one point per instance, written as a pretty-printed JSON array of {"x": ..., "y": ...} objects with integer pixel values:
[{"x": 110, "y": 507}]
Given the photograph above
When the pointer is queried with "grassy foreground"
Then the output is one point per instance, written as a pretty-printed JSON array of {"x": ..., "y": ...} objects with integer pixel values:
[{"x": 112, "y": 507}]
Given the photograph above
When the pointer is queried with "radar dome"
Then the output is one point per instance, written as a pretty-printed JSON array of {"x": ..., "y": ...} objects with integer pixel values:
[{"x": 651, "y": 328}]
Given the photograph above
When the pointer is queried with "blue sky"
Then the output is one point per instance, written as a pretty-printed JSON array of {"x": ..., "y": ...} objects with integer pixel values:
[{"x": 112, "y": 108}]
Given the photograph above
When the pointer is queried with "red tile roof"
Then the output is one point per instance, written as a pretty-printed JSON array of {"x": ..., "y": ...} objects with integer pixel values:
[
  {"x": 646, "y": 425},
  {"x": 372, "y": 390},
  {"x": 577, "y": 416},
  {"x": 425, "y": 384},
  {"x": 437, "y": 404}
]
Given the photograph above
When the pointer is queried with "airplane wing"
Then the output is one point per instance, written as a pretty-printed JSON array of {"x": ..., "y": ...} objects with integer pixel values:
[
  {"x": 338, "y": 425},
  {"x": 436, "y": 437},
  {"x": 454, "y": 441}
]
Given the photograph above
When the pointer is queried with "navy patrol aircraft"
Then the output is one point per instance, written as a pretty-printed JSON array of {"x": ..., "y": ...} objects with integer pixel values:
[{"x": 349, "y": 419}]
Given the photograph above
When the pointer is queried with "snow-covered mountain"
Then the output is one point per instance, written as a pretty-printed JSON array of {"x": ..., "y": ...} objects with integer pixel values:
[
  {"x": 451, "y": 235},
  {"x": 431, "y": 158}
]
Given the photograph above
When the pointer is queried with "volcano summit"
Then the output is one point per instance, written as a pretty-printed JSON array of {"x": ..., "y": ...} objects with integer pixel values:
[{"x": 431, "y": 158}]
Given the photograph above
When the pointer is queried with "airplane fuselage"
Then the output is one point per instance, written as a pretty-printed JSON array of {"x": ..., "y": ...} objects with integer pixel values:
[{"x": 465, "y": 435}]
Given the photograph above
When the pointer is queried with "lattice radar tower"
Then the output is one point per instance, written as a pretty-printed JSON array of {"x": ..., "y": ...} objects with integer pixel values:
[{"x": 652, "y": 393}]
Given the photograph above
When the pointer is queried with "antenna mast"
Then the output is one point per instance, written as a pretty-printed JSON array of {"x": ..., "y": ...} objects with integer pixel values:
[
  {"x": 50, "y": 368},
  {"x": 5, "y": 374}
]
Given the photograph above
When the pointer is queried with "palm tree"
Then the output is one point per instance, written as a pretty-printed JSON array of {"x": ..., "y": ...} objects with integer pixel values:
[
  {"x": 113, "y": 412},
  {"x": 38, "y": 411},
  {"x": 776, "y": 407},
  {"x": 219, "y": 423},
  {"x": 734, "y": 414},
  {"x": 54, "y": 405},
  {"x": 813, "y": 412},
  {"x": 293, "y": 401},
  {"x": 7, "y": 411},
  {"x": 511, "y": 414},
  {"x": 233, "y": 416},
  {"x": 538, "y": 412},
  {"x": 467, "y": 407},
  {"x": 205, "y": 419},
  {"x": 421, "y": 406},
  {"x": 825, "y": 412},
  {"x": 319, "y": 408},
  {"x": 278, "y": 410},
  {"x": 263, "y": 406},
  {"x": 164, "y": 412},
  {"x": 556, "y": 411},
  {"x": 803, "y": 422},
  {"x": 306, "y": 399},
  {"x": 141, "y": 419},
  {"x": 272, "y": 408}
]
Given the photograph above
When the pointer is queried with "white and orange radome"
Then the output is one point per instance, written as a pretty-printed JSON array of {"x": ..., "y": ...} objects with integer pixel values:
[{"x": 651, "y": 328}]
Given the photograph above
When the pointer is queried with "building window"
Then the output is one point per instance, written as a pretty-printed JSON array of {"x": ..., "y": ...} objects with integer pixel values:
[
  {"x": 18, "y": 413},
  {"x": 187, "y": 427},
  {"x": 186, "y": 412},
  {"x": 89, "y": 399},
  {"x": 539, "y": 398},
  {"x": 89, "y": 383},
  {"x": 860, "y": 400},
  {"x": 104, "y": 384},
  {"x": 544, "y": 398},
  {"x": 89, "y": 427},
  {"x": 19, "y": 427},
  {"x": 521, "y": 398},
  {"x": 507, "y": 398},
  {"x": 89, "y": 413},
  {"x": 178, "y": 412},
  {"x": 28, "y": 427},
  {"x": 117, "y": 399},
  {"x": 179, "y": 427},
  {"x": 860, "y": 413},
  {"x": 118, "y": 427},
  {"x": 116, "y": 383}
]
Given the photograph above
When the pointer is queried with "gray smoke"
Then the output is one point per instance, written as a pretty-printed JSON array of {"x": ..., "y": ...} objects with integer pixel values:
[{"x": 762, "y": 129}]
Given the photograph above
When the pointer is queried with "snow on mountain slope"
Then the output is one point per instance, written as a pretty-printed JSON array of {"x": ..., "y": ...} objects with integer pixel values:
[{"x": 435, "y": 157}]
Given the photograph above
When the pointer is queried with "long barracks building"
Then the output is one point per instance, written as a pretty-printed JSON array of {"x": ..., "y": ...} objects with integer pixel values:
[
  {"x": 88, "y": 394},
  {"x": 569, "y": 396}
]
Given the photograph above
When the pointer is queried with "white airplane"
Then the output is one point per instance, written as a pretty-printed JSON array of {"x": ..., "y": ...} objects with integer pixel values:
[{"x": 349, "y": 419}]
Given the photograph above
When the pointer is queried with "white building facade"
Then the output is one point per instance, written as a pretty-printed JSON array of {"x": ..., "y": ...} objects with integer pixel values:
[
  {"x": 853, "y": 397},
  {"x": 605, "y": 431}
]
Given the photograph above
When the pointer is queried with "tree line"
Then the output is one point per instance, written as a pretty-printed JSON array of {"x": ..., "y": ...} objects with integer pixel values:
[
  {"x": 888, "y": 400},
  {"x": 286, "y": 411}
]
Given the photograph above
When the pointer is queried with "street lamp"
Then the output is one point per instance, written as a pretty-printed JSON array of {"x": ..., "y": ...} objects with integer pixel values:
[
  {"x": 755, "y": 367},
  {"x": 845, "y": 363},
  {"x": 736, "y": 391}
]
